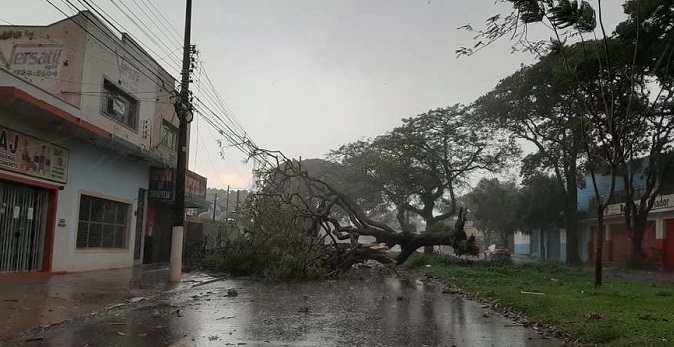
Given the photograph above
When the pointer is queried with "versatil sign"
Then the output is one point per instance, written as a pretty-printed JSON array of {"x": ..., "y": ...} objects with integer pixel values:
[{"x": 33, "y": 157}]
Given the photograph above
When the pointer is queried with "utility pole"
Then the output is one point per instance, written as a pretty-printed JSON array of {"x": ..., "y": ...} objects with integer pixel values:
[
  {"x": 227, "y": 207},
  {"x": 183, "y": 109},
  {"x": 215, "y": 206},
  {"x": 237, "y": 209}
]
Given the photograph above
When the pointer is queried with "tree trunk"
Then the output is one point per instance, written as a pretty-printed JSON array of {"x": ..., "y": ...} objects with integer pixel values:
[
  {"x": 428, "y": 249},
  {"x": 637, "y": 254},
  {"x": 544, "y": 249},
  {"x": 571, "y": 222},
  {"x": 572, "y": 251},
  {"x": 403, "y": 220},
  {"x": 598, "y": 266},
  {"x": 571, "y": 211}
]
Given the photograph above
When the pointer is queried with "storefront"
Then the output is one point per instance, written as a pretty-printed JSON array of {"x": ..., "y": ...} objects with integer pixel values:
[
  {"x": 68, "y": 201},
  {"x": 160, "y": 211},
  {"x": 27, "y": 201},
  {"x": 657, "y": 242}
]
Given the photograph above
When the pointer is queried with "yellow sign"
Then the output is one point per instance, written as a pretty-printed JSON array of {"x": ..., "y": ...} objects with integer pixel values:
[{"x": 30, "y": 156}]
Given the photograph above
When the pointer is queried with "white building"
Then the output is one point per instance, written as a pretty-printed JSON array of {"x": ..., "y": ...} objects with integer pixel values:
[{"x": 84, "y": 116}]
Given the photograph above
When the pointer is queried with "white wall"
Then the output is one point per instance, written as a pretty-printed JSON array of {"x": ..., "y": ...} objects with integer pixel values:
[
  {"x": 522, "y": 243},
  {"x": 95, "y": 170},
  {"x": 85, "y": 59},
  {"x": 131, "y": 70},
  {"x": 99, "y": 172},
  {"x": 62, "y": 43}
]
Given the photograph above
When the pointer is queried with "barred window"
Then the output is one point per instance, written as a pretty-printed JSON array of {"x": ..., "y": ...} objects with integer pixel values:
[
  {"x": 119, "y": 106},
  {"x": 102, "y": 223},
  {"x": 169, "y": 136}
]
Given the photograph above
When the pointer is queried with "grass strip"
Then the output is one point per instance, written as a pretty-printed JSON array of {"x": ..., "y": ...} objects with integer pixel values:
[{"x": 617, "y": 314}]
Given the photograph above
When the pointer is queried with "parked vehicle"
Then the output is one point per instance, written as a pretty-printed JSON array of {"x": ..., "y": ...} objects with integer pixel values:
[{"x": 495, "y": 252}]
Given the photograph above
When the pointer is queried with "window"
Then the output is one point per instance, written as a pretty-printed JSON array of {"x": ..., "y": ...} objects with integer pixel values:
[
  {"x": 102, "y": 223},
  {"x": 169, "y": 136},
  {"x": 119, "y": 105}
]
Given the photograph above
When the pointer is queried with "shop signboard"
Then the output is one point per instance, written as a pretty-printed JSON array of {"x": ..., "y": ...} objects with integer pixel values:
[
  {"x": 661, "y": 203},
  {"x": 31, "y": 156},
  {"x": 162, "y": 184}
]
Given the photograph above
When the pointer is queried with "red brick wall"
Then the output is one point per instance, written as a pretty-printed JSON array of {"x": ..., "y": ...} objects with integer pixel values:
[
  {"x": 669, "y": 244},
  {"x": 620, "y": 245},
  {"x": 618, "y": 249}
]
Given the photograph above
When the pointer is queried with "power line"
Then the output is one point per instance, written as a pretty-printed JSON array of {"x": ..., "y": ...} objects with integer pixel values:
[
  {"x": 168, "y": 49},
  {"x": 215, "y": 169},
  {"x": 104, "y": 31},
  {"x": 219, "y": 100},
  {"x": 196, "y": 150},
  {"x": 167, "y": 33},
  {"x": 114, "y": 155},
  {"x": 174, "y": 61},
  {"x": 76, "y": 49},
  {"x": 105, "y": 16},
  {"x": 225, "y": 123},
  {"x": 169, "y": 25}
]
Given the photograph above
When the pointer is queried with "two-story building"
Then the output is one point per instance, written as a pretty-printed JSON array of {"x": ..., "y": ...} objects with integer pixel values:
[
  {"x": 658, "y": 238},
  {"x": 85, "y": 116}
]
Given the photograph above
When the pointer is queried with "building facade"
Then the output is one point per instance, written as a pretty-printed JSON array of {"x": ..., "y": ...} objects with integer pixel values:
[
  {"x": 545, "y": 244},
  {"x": 658, "y": 239},
  {"x": 85, "y": 116}
]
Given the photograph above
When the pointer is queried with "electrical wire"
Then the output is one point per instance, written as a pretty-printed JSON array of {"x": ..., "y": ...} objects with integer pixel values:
[
  {"x": 167, "y": 33},
  {"x": 196, "y": 150},
  {"x": 169, "y": 25},
  {"x": 105, "y": 31},
  {"x": 151, "y": 35},
  {"x": 222, "y": 121},
  {"x": 76, "y": 49},
  {"x": 104, "y": 15}
]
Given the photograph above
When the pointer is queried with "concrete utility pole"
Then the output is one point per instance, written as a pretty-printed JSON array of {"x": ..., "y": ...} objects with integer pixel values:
[
  {"x": 227, "y": 207},
  {"x": 237, "y": 209},
  {"x": 183, "y": 109},
  {"x": 215, "y": 206}
]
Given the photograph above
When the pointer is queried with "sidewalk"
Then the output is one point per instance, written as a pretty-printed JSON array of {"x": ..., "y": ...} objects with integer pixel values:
[{"x": 33, "y": 301}]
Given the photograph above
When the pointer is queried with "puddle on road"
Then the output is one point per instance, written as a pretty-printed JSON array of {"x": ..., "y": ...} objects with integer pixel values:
[{"x": 370, "y": 312}]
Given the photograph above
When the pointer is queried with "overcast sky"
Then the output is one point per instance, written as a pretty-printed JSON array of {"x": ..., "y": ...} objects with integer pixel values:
[{"x": 304, "y": 76}]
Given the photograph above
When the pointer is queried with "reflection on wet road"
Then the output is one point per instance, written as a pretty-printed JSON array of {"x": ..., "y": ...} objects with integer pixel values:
[{"x": 375, "y": 311}]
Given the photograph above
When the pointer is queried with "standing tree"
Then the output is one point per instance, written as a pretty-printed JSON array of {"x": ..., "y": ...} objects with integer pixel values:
[
  {"x": 494, "y": 205},
  {"x": 610, "y": 76},
  {"x": 648, "y": 34},
  {"x": 536, "y": 107},
  {"x": 421, "y": 164},
  {"x": 538, "y": 204}
]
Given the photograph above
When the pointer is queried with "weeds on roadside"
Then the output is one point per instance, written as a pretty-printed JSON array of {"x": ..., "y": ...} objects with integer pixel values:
[{"x": 555, "y": 295}]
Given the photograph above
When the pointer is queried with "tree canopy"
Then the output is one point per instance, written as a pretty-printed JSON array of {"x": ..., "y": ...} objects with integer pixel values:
[{"x": 420, "y": 165}]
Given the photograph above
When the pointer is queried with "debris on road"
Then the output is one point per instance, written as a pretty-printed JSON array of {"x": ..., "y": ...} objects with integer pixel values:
[
  {"x": 226, "y": 317},
  {"x": 531, "y": 293}
]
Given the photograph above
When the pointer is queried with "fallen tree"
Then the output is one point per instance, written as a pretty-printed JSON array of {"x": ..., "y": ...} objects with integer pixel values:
[{"x": 317, "y": 211}]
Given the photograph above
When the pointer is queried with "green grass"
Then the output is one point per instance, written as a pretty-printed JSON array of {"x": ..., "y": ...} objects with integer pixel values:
[{"x": 618, "y": 314}]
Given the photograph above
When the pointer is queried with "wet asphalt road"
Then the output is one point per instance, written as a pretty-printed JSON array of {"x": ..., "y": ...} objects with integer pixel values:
[{"x": 361, "y": 311}]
